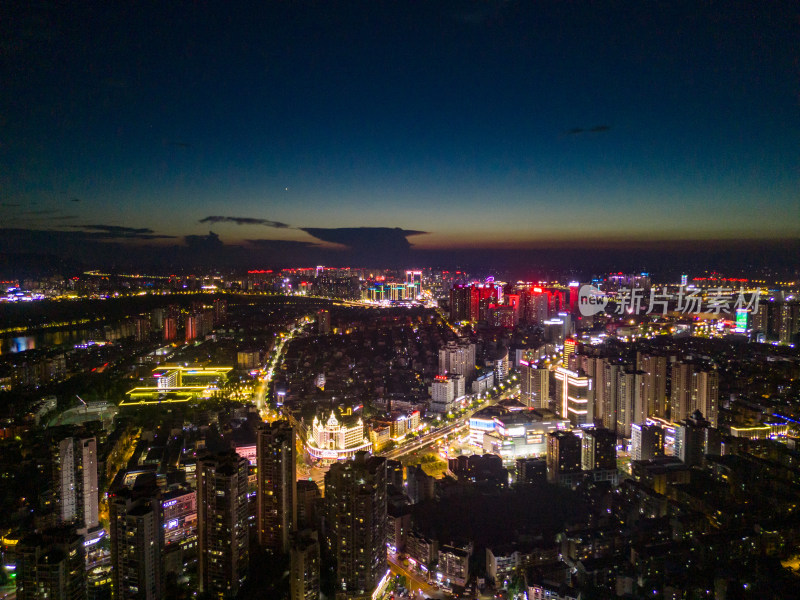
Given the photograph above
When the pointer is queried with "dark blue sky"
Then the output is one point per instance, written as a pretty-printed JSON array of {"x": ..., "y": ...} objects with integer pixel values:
[{"x": 488, "y": 124}]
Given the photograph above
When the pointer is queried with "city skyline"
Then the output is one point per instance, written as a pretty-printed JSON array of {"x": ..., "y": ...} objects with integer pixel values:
[{"x": 309, "y": 131}]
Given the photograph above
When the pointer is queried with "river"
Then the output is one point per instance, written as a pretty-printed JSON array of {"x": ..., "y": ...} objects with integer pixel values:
[{"x": 10, "y": 344}]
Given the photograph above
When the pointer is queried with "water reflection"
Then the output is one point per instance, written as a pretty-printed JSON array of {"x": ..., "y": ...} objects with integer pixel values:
[{"x": 48, "y": 339}]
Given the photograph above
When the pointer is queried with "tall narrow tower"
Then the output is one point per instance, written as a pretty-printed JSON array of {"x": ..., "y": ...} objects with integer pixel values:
[
  {"x": 222, "y": 523},
  {"x": 276, "y": 454}
]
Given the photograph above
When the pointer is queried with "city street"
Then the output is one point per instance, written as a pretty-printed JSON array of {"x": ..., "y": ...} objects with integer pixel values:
[
  {"x": 445, "y": 430},
  {"x": 416, "y": 583}
]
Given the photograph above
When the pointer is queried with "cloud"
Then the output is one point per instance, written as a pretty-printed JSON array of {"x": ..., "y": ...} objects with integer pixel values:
[
  {"x": 119, "y": 232},
  {"x": 203, "y": 242},
  {"x": 374, "y": 240},
  {"x": 245, "y": 221},
  {"x": 283, "y": 244}
]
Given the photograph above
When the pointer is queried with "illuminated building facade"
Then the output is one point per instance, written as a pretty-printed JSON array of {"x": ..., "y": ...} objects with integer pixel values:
[
  {"x": 534, "y": 386},
  {"x": 76, "y": 484},
  {"x": 458, "y": 358},
  {"x": 170, "y": 329},
  {"x": 570, "y": 346},
  {"x": 179, "y": 518},
  {"x": 516, "y": 435},
  {"x": 176, "y": 383},
  {"x": 574, "y": 396},
  {"x": 471, "y": 302},
  {"x": 414, "y": 280},
  {"x": 333, "y": 441}
]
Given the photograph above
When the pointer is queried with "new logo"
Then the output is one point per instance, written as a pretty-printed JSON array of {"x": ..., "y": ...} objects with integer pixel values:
[{"x": 591, "y": 300}]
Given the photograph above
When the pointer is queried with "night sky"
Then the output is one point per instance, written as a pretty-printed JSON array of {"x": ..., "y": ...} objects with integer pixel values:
[{"x": 292, "y": 129}]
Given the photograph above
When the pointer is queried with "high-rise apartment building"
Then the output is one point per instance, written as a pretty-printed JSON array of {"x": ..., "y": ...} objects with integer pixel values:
[
  {"x": 607, "y": 373},
  {"x": 789, "y": 322},
  {"x": 323, "y": 322},
  {"x": 630, "y": 400},
  {"x": 598, "y": 449},
  {"x": 471, "y": 302},
  {"x": 75, "y": 479},
  {"x": 136, "y": 545},
  {"x": 276, "y": 458},
  {"x": 563, "y": 455},
  {"x": 222, "y": 514},
  {"x": 193, "y": 325},
  {"x": 305, "y": 566},
  {"x": 51, "y": 566},
  {"x": 355, "y": 502},
  {"x": 693, "y": 388},
  {"x": 574, "y": 396},
  {"x": 647, "y": 441},
  {"x": 654, "y": 384},
  {"x": 170, "y": 329},
  {"x": 458, "y": 358},
  {"x": 535, "y": 386},
  {"x": 690, "y": 439}
]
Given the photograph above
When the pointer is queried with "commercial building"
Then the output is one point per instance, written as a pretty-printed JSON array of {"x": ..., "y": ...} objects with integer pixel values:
[
  {"x": 574, "y": 396},
  {"x": 176, "y": 383},
  {"x": 513, "y": 435},
  {"x": 484, "y": 381},
  {"x": 333, "y": 441}
]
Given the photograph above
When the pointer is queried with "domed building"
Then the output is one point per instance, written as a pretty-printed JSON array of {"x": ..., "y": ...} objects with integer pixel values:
[{"x": 332, "y": 440}]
